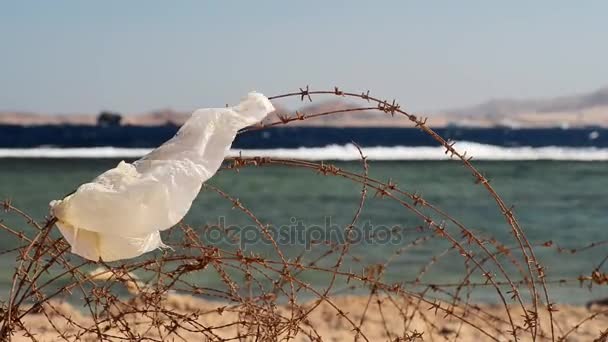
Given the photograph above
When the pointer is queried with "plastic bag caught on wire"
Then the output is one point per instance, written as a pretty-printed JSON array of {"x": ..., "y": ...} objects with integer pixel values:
[{"x": 120, "y": 213}]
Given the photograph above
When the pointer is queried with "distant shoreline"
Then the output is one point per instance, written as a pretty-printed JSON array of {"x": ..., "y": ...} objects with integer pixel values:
[
  {"x": 363, "y": 120},
  {"x": 575, "y": 111}
]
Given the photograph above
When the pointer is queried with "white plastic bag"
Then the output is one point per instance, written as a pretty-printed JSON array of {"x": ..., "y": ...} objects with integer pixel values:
[{"x": 120, "y": 213}]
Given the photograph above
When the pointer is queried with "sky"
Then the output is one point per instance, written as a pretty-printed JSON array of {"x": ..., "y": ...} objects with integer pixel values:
[{"x": 135, "y": 56}]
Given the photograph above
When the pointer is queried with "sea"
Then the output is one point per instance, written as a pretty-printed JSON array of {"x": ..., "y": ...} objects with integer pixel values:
[{"x": 559, "y": 195}]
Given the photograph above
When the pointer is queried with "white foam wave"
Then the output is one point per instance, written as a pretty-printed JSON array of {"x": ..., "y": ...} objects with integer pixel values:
[{"x": 346, "y": 152}]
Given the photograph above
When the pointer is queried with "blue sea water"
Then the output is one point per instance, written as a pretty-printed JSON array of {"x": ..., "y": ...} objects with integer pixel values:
[{"x": 562, "y": 201}]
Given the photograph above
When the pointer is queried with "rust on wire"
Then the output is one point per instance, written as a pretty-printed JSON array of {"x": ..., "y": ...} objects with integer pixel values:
[{"x": 267, "y": 296}]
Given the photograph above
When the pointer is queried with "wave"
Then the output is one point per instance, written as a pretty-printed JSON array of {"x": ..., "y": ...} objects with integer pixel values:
[
  {"x": 84, "y": 152},
  {"x": 345, "y": 152}
]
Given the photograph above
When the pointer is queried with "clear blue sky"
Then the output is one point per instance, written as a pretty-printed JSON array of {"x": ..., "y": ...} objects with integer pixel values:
[{"x": 135, "y": 56}]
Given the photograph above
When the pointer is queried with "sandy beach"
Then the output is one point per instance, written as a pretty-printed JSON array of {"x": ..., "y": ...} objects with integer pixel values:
[{"x": 379, "y": 319}]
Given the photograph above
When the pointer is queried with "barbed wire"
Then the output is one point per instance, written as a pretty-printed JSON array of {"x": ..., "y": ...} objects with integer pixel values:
[{"x": 266, "y": 295}]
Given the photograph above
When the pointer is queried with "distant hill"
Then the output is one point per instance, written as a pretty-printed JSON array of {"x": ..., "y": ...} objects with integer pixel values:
[
  {"x": 574, "y": 110},
  {"x": 590, "y": 109},
  {"x": 504, "y": 107}
]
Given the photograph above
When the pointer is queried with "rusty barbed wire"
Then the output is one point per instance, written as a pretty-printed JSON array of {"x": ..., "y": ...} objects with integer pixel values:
[{"x": 267, "y": 295}]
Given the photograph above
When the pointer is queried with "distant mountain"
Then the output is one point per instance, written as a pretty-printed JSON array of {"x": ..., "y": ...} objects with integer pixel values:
[
  {"x": 573, "y": 103},
  {"x": 589, "y": 109},
  {"x": 577, "y": 110}
]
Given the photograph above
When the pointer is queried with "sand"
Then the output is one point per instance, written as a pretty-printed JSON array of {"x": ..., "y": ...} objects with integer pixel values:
[{"x": 198, "y": 320}]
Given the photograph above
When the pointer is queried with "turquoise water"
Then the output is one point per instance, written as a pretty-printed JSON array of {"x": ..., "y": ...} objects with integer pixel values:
[{"x": 565, "y": 202}]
